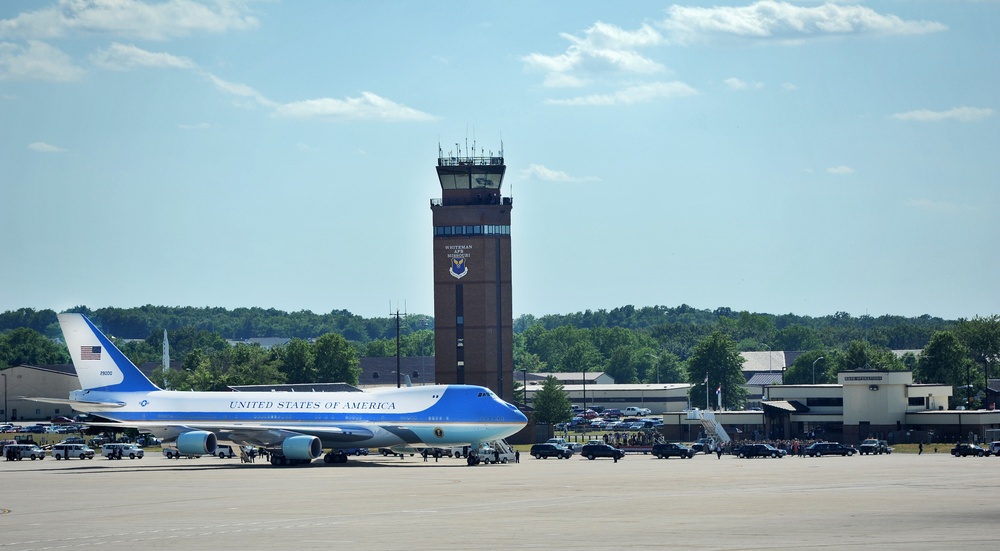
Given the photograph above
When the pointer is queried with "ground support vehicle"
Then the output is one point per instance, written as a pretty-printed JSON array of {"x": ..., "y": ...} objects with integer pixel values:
[
  {"x": 499, "y": 451},
  {"x": 171, "y": 452}
]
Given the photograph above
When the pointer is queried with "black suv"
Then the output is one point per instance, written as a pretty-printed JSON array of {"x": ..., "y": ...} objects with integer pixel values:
[
  {"x": 593, "y": 450},
  {"x": 819, "y": 449},
  {"x": 671, "y": 449},
  {"x": 963, "y": 450},
  {"x": 545, "y": 451}
]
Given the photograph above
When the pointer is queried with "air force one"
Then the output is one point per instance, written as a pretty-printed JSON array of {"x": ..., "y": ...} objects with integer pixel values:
[{"x": 294, "y": 426}]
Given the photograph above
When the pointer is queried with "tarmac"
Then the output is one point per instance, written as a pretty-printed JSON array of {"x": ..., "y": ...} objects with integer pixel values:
[{"x": 885, "y": 502}]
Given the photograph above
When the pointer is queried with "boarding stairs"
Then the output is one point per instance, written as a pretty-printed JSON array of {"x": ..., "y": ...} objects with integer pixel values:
[{"x": 713, "y": 428}]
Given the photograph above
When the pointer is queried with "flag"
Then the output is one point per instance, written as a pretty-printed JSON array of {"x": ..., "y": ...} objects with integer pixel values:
[
  {"x": 718, "y": 391},
  {"x": 90, "y": 352}
]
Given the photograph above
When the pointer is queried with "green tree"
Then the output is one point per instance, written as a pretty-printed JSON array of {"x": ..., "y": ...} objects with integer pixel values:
[
  {"x": 551, "y": 403},
  {"x": 812, "y": 367},
  {"x": 581, "y": 357},
  {"x": 621, "y": 365},
  {"x": 250, "y": 364},
  {"x": 27, "y": 346},
  {"x": 335, "y": 360},
  {"x": 666, "y": 368},
  {"x": 982, "y": 337},
  {"x": 864, "y": 356},
  {"x": 717, "y": 360},
  {"x": 295, "y": 359}
]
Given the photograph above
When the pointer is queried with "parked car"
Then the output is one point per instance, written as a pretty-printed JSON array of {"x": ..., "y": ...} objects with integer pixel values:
[
  {"x": 994, "y": 448},
  {"x": 22, "y": 451},
  {"x": 545, "y": 451},
  {"x": 130, "y": 451},
  {"x": 963, "y": 450},
  {"x": 819, "y": 449},
  {"x": 594, "y": 449},
  {"x": 67, "y": 451},
  {"x": 672, "y": 449}
]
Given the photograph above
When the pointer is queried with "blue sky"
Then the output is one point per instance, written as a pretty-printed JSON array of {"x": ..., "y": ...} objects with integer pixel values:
[{"x": 779, "y": 157}]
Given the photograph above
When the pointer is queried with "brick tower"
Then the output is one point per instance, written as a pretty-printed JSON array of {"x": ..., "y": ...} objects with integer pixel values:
[{"x": 473, "y": 318}]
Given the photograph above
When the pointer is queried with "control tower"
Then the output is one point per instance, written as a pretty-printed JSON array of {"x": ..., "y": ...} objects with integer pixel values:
[{"x": 473, "y": 318}]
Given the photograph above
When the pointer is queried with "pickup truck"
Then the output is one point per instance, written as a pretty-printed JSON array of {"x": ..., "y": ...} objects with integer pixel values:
[{"x": 874, "y": 446}]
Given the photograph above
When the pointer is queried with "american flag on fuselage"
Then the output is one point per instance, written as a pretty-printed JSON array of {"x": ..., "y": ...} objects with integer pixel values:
[{"x": 90, "y": 352}]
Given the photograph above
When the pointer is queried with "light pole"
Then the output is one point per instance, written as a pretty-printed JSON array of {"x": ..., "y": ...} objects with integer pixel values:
[
  {"x": 4, "y": 375},
  {"x": 814, "y": 367},
  {"x": 524, "y": 384}
]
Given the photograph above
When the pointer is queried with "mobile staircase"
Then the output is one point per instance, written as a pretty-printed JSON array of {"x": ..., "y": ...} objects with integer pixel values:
[{"x": 712, "y": 427}]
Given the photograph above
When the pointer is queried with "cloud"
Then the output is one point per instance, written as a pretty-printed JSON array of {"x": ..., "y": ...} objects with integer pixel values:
[
  {"x": 43, "y": 147},
  {"x": 368, "y": 106},
  {"x": 122, "y": 57},
  {"x": 37, "y": 61},
  {"x": 131, "y": 18},
  {"x": 938, "y": 206},
  {"x": 771, "y": 20},
  {"x": 540, "y": 172},
  {"x": 962, "y": 114},
  {"x": 603, "y": 48},
  {"x": 737, "y": 84},
  {"x": 842, "y": 169},
  {"x": 240, "y": 90},
  {"x": 643, "y": 93}
]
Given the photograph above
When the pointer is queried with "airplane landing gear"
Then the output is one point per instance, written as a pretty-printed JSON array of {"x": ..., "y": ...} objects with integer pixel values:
[{"x": 335, "y": 457}]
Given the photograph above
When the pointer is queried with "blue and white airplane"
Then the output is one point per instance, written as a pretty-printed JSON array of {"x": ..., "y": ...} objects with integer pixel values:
[{"x": 294, "y": 426}]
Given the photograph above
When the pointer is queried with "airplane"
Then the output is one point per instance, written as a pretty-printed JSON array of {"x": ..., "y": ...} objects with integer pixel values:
[{"x": 295, "y": 427}]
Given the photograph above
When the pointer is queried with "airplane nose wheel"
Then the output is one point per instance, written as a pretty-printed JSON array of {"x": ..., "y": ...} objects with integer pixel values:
[{"x": 472, "y": 460}]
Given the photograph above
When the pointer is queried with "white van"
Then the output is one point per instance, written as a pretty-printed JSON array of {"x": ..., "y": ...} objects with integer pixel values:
[
  {"x": 69, "y": 451},
  {"x": 130, "y": 451},
  {"x": 21, "y": 451},
  {"x": 224, "y": 451}
]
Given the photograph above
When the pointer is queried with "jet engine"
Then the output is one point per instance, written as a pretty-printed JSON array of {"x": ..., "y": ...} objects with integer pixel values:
[
  {"x": 197, "y": 442},
  {"x": 301, "y": 447}
]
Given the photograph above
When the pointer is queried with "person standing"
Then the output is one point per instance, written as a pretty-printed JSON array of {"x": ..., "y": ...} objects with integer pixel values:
[
  {"x": 920, "y": 448},
  {"x": 517, "y": 456},
  {"x": 718, "y": 450}
]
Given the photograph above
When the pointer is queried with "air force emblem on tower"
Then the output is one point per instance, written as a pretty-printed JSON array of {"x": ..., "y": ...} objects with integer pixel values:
[{"x": 458, "y": 268}]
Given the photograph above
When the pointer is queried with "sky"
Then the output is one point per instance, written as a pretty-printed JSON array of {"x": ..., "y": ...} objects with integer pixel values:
[{"x": 775, "y": 157}]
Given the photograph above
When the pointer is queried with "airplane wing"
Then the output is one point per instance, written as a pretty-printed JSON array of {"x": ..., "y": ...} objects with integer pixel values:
[
  {"x": 68, "y": 402},
  {"x": 332, "y": 436}
]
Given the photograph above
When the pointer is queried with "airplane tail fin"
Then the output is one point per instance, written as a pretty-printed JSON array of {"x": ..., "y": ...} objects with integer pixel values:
[{"x": 99, "y": 364}]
